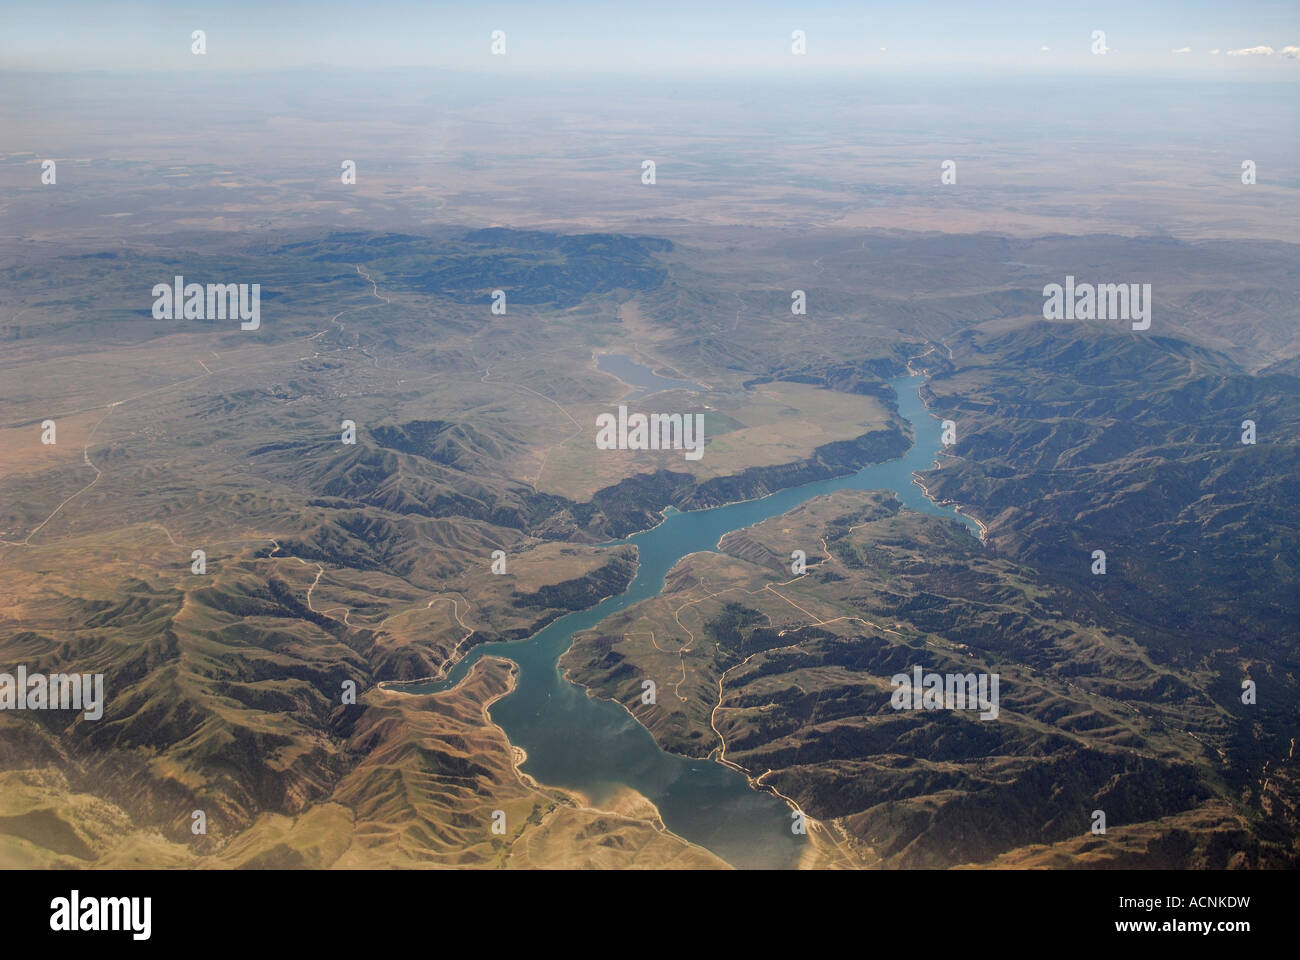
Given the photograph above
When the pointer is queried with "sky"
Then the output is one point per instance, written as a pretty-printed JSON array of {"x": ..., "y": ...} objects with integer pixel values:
[{"x": 663, "y": 37}]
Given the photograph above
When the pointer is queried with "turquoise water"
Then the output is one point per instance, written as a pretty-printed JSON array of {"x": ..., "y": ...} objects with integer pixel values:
[{"x": 595, "y": 746}]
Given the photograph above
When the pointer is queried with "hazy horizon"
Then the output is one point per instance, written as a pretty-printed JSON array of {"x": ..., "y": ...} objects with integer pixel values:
[{"x": 1249, "y": 41}]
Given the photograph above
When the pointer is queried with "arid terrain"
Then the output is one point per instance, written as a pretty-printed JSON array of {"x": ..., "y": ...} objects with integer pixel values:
[{"x": 270, "y": 690}]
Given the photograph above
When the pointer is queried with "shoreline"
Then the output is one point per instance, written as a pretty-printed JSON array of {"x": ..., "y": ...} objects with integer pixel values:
[
  {"x": 579, "y": 798},
  {"x": 957, "y": 507},
  {"x": 393, "y": 686},
  {"x": 570, "y": 796},
  {"x": 664, "y": 511},
  {"x": 916, "y": 478}
]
